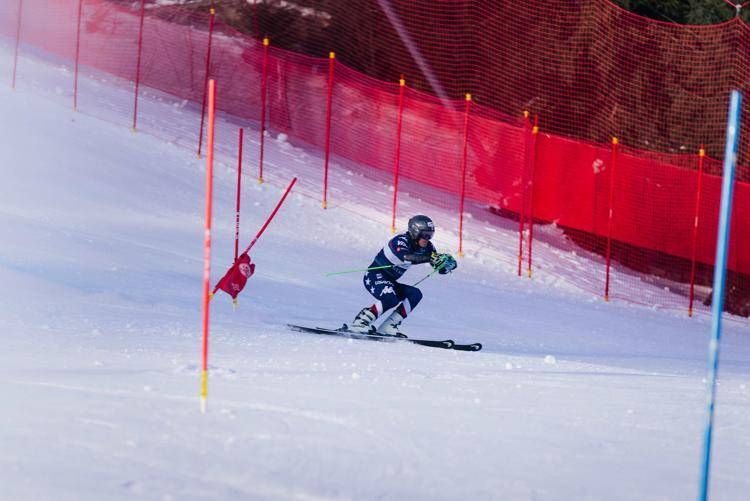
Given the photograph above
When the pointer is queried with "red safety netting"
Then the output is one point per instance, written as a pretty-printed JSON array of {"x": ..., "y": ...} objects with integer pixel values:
[{"x": 588, "y": 71}]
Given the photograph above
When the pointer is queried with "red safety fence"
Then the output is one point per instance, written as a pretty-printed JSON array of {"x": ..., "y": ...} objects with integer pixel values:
[{"x": 632, "y": 206}]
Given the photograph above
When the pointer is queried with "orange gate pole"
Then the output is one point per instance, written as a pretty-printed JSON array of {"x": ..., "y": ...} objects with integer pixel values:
[
  {"x": 207, "y": 241},
  {"x": 611, "y": 212},
  {"x": 263, "y": 93},
  {"x": 532, "y": 164},
  {"x": 402, "y": 85},
  {"x": 463, "y": 177},
  {"x": 205, "y": 85},
  {"x": 331, "y": 65},
  {"x": 524, "y": 171},
  {"x": 701, "y": 156}
]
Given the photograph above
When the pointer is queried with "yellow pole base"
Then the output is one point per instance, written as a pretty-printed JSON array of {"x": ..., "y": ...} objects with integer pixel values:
[
  {"x": 260, "y": 180},
  {"x": 133, "y": 130},
  {"x": 204, "y": 390},
  {"x": 690, "y": 312},
  {"x": 529, "y": 272},
  {"x": 325, "y": 205},
  {"x": 234, "y": 304},
  {"x": 606, "y": 298}
]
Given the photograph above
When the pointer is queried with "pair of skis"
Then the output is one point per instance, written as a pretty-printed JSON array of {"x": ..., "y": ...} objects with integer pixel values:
[{"x": 447, "y": 344}]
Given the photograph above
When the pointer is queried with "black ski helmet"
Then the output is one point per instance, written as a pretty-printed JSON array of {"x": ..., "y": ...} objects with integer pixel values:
[{"x": 420, "y": 224}]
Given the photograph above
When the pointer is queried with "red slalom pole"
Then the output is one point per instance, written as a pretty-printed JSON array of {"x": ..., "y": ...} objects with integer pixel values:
[
  {"x": 237, "y": 212},
  {"x": 532, "y": 164},
  {"x": 402, "y": 84},
  {"x": 78, "y": 55},
  {"x": 611, "y": 212},
  {"x": 268, "y": 221},
  {"x": 18, "y": 41},
  {"x": 263, "y": 93},
  {"x": 463, "y": 178},
  {"x": 205, "y": 85},
  {"x": 138, "y": 64},
  {"x": 207, "y": 240},
  {"x": 524, "y": 183},
  {"x": 701, "y": 156},
  {"x": 331, "y": 65}
]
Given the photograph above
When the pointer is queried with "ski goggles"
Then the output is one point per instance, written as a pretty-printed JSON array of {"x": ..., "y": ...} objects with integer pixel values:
[{"x": 427, "y": 235}]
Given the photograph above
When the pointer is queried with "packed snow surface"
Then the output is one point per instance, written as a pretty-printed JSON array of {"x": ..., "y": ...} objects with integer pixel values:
[{"x": 101, "y": 266}]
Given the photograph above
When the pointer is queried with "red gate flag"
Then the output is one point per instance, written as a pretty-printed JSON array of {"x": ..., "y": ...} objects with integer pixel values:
[{"x": 236, "y": 277}]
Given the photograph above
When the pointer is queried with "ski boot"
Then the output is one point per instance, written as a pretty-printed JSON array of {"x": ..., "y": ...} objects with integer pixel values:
[
  {"x": 390, "y": 327},
  {"x": 363, "y": 322}
]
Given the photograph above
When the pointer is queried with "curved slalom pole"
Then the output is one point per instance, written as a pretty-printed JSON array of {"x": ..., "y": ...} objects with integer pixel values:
[
  {"x": 273, "y": 213},
  {"x": 720, "y": 272}
]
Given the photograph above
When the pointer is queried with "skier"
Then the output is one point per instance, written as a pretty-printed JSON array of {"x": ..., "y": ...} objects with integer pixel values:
[{"x": 402, "y": 251}]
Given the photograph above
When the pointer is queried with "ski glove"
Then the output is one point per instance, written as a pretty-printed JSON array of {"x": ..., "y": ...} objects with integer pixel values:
[{"x": 444, "y": 263}]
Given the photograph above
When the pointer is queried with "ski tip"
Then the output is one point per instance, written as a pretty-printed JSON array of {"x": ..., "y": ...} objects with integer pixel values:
[{"x": 468, "y": 347}]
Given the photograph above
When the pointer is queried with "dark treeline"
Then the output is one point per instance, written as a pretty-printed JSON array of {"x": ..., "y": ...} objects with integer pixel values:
[
  {"x": 686, "y": 11},
  {"x": 673, "y": 11}
]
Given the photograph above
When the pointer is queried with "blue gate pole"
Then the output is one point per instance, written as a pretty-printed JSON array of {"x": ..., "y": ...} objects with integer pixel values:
[{"x": 720, "y": 273}]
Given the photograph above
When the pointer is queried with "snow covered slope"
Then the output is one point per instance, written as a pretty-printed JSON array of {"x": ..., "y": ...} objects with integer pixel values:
[{"x": 100, "y": 263}]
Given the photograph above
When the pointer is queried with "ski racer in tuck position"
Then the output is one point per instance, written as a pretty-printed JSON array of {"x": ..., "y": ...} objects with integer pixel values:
[{"x": 402, "y": 251}]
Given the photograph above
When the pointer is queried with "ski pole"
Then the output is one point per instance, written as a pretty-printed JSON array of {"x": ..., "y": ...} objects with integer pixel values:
[
  {"x": 330, "y": 274},
  {"x": 428, "y": 276}
]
